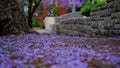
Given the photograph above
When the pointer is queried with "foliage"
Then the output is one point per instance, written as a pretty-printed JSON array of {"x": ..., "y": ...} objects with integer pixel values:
[
  {"x": 86, "y": 9},
  {"x": 98, "y": 4},
  {"x": 36, "y": 22},
  {"x": 92, "y": 5},
  {"x": 55, "y": 11}
]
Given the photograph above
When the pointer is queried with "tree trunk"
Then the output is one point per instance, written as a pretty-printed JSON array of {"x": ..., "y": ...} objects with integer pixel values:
[
  {"x": 12, "y": 20},
  {"x": 30, "y": 20},
  {"x": 30, "y": 15},
  {"x": 31, "y": 10}
]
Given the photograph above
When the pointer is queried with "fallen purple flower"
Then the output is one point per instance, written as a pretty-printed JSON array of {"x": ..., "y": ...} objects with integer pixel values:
[{"x": 55, "y": 51}]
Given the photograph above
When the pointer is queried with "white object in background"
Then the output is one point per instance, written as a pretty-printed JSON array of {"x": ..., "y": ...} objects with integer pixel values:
[{"x": 49, "y": 22}]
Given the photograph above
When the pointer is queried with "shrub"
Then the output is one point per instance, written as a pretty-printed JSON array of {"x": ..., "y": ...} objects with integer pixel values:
[
  {"x": 92, "y": 5},
  {"x": 99, "y": 4},
  {"x": 86, "y": 9},
  {"x": 36, "y": 22}
]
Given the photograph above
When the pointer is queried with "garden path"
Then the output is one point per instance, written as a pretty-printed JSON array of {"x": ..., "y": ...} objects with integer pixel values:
[{"x": 41, "y": 31}]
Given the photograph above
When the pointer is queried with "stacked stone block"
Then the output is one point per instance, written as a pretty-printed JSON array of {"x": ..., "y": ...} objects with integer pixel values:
[{"x": 106, "y": 20}]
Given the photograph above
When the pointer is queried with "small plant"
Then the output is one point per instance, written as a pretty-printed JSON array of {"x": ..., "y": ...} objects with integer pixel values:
[{"x": 55, "y": 11}]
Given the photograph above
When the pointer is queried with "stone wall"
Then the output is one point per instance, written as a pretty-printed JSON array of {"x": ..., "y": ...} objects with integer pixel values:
[
  {"x": 76, "y": 26},
  {"x": 61, "y": 18},
  {"x": 104, "y": 21}
]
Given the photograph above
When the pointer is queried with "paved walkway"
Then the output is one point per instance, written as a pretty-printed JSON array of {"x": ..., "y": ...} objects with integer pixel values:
[{"x": 41, "y": 31}]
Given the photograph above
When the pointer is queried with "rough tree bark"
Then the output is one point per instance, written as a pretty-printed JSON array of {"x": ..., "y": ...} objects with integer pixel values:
[{"x": 12, "y": 19}]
